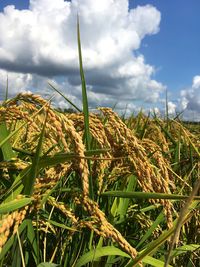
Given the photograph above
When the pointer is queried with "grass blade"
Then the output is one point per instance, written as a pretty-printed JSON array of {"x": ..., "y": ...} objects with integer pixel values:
[
  {"x": 85, "y": 106},
  {"x": 153, "y": 246},
  {"x": 14, "y": 205},
  {"x": 6, "y": 148},
  {"x": 67, "y": 99},
  {"x": 29, "y": 183},
  {"x": 184, "y": 249},
  {"x": 98, "y": 253},
  {"x": 31, "y": 238},
  {"x": 158, "y": 220},
  {"x": 48, "y": 264},
  {"x": 143, "y": 195},
  {"x": 6, "y": 95},
  {"x": 154, "y": 262},
  {"x": 84, "y": 91},
  {"x": 180, "y": 220}
]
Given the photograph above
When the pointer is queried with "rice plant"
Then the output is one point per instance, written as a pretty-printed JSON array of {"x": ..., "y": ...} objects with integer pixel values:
[{"x": 94, "y": 189}]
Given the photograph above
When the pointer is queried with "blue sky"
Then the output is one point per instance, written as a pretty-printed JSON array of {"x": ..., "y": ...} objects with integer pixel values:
[
  {"x": 165, "y": 46},
  {"x": 19, "y": 4},
  {"x": 175, "y": 48}
]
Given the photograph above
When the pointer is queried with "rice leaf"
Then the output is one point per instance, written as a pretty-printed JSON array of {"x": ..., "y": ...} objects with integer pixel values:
[
  {"x": 154, "y": 262},
  {"x": 31, "y": 237},
  {"x": 61, "y": 225},
  {"x": 67, "y": 99},
  {"x": 6, "y": 148},
  {"x": 149, "y": 231},
  {"x": 14, "y": 205},
  {"x": 154, "y": 245},
  {"x": 6, "y": 95},
  {"x": 30, "y": 180},
  {"x": 184, "y": 249},
  {"x": 180, "y": 221},
  {"x": 144, "y": 195},
  {"x": 84, "y": 90},
  {"x": 85, "y": 106},
  {"x": 98, "y": 253},
  {"x": 48, "y": 264},
  {"x": 46, "y": 161},
  {"x": 17, "y": 185},
  {"x": 121, "y": 208}
]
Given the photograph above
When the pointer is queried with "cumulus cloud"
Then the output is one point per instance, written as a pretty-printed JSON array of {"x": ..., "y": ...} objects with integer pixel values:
[
  {"x": 171, "y": 108},
  {"x": 17, "y": 82},
  {"x": 41, "y": 42},
  {"x": 190, "y": 98},
  {"x": 189, "y": 101},
  {"x": 22, "y": 82}
]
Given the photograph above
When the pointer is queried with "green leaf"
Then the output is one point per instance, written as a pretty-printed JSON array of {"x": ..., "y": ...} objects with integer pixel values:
[
  {"x": 98, "y": 253},
  {"x": 149, "y": 232},
  {"x": 119, "y": 208},
  {"x": 30, "y": 180},
  {"x": 6, "y": 148},
  {"x": 47, "y": 161},
  {"x": 61, "y": 225},
  {"x": 85, "y": 107},
  {"x": 184, "y": 249},
  {"x": 48, "y": 264},
  {"x": 17, "y": 185},
  {"x": 5, "y": 140},
  {"x": 31, "y": 238},
  {"x": 58, "y": 91},
  {"x": 189, "y": 203},
  {"x": 84, "y": 91},
  {"x": 6, "y": 96},
  {"x": 144, "y": 195},
  {"x": 14, "y": 205},
  {"x": 154, "y": 262},
  {"x": 124, "y": 203},
  {"x": 153, "y": 246}
]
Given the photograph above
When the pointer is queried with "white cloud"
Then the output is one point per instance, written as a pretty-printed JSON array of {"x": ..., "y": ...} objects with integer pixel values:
[
  {"x": 189, "y": 101},
  {"x": 144, "y": 19},
  {"x": 17, "y": 82},
  {"x": 196, "y": 82},
  {"x": 191, "y": 96},
  {"x": 171, "y": 108},
  {"x": 41, "y": 42}
]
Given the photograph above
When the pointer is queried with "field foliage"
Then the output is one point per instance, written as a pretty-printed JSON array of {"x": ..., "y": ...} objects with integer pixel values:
[{"x": 113, "y": 202}]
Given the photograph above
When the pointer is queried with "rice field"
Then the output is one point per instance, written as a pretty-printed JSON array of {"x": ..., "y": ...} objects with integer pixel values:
[
  {"x": 95, "y": 189},
  {"x": 112, "y": 200}
]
